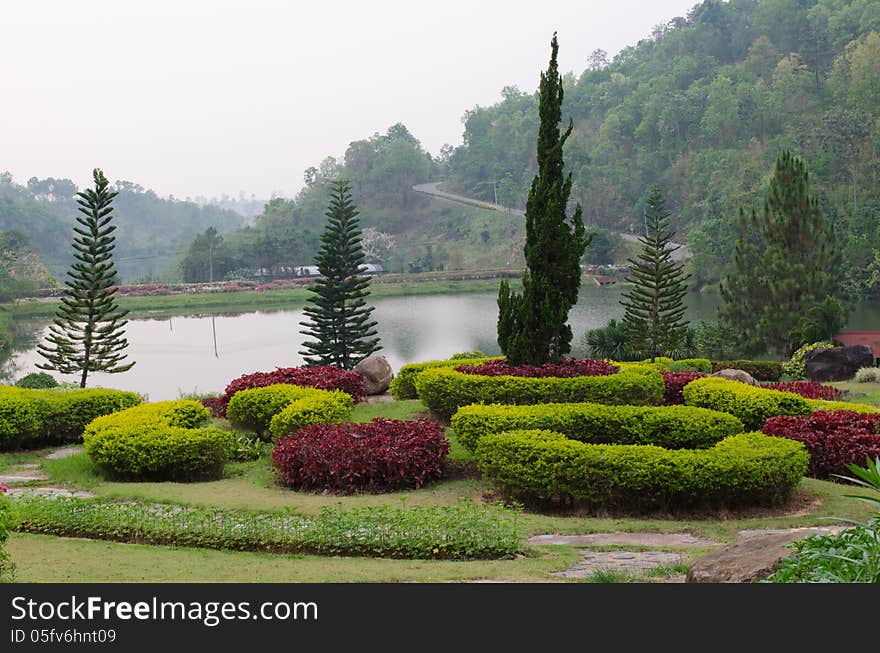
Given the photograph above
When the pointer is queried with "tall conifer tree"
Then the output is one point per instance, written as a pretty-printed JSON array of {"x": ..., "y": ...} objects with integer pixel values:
[
  {"x": 339, "y": 320},
  {"x": 88, "y": 331},
  {"x": 654, "y": 317},
  {"x": 786, "y": 264},
  {"x": 532, "y": 326}
]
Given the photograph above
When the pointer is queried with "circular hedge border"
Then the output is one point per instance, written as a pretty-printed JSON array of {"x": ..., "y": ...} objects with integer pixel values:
[{"x": 161, "y": 441}]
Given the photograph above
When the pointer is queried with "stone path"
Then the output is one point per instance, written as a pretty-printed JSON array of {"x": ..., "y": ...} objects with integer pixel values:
[
  {"x": 24, "y": 479},
  {"x": 630, "y": 562},
  {"x": 809, "y": 530},
  {"x": 66, "y": 452},
  {"x": 624, "y": 539}
]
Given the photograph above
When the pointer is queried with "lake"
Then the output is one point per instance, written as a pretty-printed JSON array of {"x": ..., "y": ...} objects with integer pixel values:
[{"x": 178, "y": 355}]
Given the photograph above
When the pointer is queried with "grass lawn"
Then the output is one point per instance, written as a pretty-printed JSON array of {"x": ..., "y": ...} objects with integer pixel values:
[{"x": 868, "y": 393}]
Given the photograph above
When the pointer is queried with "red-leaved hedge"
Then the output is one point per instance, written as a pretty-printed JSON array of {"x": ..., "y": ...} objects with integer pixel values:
[
  {"x": 674, "y": 383},
  {"x": 323, "y": 377},
  {"x": 379, "y": 456},
  {"x": 833, "y": 438},
  {"x": 566, "y": 368},
  {"x": 807, "y": 389}
]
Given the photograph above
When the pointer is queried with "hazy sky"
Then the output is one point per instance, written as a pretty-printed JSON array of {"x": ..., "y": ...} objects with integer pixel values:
[{"x": 204, "y": 98}]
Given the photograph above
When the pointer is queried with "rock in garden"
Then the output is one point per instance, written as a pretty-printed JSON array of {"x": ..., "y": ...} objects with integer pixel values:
[
  {"x": 377, "y": 373},
  {"x": 837, "y": 363},
  {"x": 753, "y": 558},
  {"x": 736, "y": 375}
]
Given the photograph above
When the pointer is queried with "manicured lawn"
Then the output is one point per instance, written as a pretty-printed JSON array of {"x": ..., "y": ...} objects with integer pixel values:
[{"x": 867, "y": 393}]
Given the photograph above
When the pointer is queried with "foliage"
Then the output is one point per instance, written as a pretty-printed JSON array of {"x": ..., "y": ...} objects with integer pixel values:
[
  {"x": 542, "y": 466},
  {"x": 338, "y": 317},
  {"x": 674, "y": 383},
  {"x": 403, "y": 385},
  {"x": 808, "y": 389},
  {"x": 672, "y": 427},
  {"x": 460, "y": 532},
  {"x": 759, "y": 370},
  {"x": 467, "y": 355},
  {"x": 681, "y": 365},
  {"x": 444, "y": 390},
  {"x": 796, "y": 366},
  {"x": 161, "y": 441},
  {"x": 715, "y": 340},
  {"x": 532, "y": 326},
  {"x": 834, "y": 439},
  {"x": 88, "y": 331},
  {"x": 565, "y": 368},
  {"x": 868, "y": 375},
  {"x": 7, "y": 568},
  {"x": 37, "y": 381},
  {"x": 610, "y": 341},
  {"x": 207, "y": 259},
  {"x": 752, "y": 405},
  {"x": 654, "y": 304},
  {"x": 786, "y": 267},
  {"x": 822, "y": 404},
  {"x": 30, "y": 419},
  {"x": 379, "y": 456}
]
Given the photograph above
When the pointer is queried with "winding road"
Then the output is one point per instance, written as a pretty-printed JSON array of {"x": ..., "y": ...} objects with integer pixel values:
[{"x": 681, "y": 253}]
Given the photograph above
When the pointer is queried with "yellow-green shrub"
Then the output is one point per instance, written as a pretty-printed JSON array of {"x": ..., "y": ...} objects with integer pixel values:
[
  {"x": 161, "y": 441},
  {"x": 540, "y": 466},
  {"x": 403, "y": 385},
  {"x": 444, "y": 390},
  {"x": 751, "y": 404},
  {"x": 281, "y": 407},
  {"x": 822, "y": 404},
  {"x": 671, "y": 427}
]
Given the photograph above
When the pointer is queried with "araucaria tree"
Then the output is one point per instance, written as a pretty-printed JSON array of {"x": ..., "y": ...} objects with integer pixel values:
[
  {"x": 339, "y": 319},
  {"x": 88, "y": 333},
  {"x": 654, "y": 317},
  {"x": 532, "y": 326},
  {"x": 786, "y": 264}
]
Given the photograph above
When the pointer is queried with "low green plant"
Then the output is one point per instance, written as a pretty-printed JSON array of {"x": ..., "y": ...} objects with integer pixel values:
[
  {"x": 37, "y": 381},
  {"x": 868, "y": 375},
  {"x": 7, "y": 568},
  {"x": 751, "y": 404}
]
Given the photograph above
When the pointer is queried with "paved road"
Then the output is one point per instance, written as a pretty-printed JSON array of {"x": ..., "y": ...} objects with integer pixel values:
[{"x": 431, "y": 188}]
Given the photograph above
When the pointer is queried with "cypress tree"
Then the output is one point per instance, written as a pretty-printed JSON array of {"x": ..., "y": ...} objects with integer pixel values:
[
  {"x": 786, "y": 264},
  {"x": 532, "y": 326},
  {"x": 339, "y": 319},
  {"x": 653, "y": 319},
  {"x": 87, "y": 334}
]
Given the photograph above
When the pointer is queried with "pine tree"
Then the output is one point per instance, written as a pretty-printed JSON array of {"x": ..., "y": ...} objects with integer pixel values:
[
  {"x": 653, "y": 319},
  {"x": 786, "y": 264},
  {"x": 340, "y": 319},
  {"x": 532, "y": 326},
  {"x": 88, "y": 331}
]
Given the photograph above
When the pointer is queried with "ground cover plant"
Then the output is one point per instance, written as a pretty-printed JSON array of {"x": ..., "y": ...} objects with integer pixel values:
[
  {"x": 6, "y": 523},
  {"x": 807, "y": 389},
  {"x": 674, "y": 383},
  {"x": 378, "y": 456}
]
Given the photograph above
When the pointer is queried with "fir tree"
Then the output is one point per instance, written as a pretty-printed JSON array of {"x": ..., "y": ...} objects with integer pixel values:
[
  {"x": 532, "y": 326},
  {"x": 786, "y": 264},
  {"x": 88, "y": 331},
  {"x": 653, "y": 319},
  {"x": 339, "y": 320}
]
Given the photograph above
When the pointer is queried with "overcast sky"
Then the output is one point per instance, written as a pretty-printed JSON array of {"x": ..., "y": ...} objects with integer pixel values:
[{"x": 205, "y": 98}]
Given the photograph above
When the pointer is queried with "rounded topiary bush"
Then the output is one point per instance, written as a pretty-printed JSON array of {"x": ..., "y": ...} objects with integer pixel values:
[
  {"x": 167, "y": 440},
  {"x": 379, "y": 456},
  {"x": 37, "y": 381},
  {"x": 282, "y": 409},
  {"x": 868, "y": 375}
]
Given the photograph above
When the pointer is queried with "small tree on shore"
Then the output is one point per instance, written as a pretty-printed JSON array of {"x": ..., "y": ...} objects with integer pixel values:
[
  {"x": 339, "y": 318},
  {"x": 88, "y": 331}
]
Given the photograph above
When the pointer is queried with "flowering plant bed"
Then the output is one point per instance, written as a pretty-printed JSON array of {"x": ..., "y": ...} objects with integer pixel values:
[
  {"x": 807, "y": 389},
  {"x": 566, "y": 368}
]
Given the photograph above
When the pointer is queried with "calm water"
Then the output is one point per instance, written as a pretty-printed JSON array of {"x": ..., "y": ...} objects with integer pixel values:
[{"x": 177, "y": 355}]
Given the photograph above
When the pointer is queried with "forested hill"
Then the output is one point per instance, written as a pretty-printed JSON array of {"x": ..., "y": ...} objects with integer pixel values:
[
  {"x": 150, "y": 230},
  {"x": 703, "y": 106}
]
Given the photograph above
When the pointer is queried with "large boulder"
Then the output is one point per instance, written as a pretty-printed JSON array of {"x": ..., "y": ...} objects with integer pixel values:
[
  {"x": 837, "y": 363},
  {"x": 377, "y": 373},
  {"x": 751, "y": 559},
  {"x": 736, "y": 375}
]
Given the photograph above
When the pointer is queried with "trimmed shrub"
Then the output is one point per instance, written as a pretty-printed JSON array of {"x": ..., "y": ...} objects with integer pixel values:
[
  {"x": 796, "y": 367},
  {"x": 752, "y": 405},
  {"x": 821, "y": 404},
  {"x": 159, "y": 441},
  {"x": 674, "y": 383},
  {"x": 467, "y": 355},
  {"x": 834, "y": 439},
  {"x": 380, "y": 456},
  {"x": 322, "y": 377},
  {"x": 671, "y": 427},
  {"x": 542, "y": 466},
  {"x": 444, "y": 390},
  {"x": 566, "y": 368},
  {"x": 665, "y": 364},
  {"x": 868, "y": 375},
  {"x": 37, "y": 381},
  {"x": 31, "y": 419},
  {"x": 282, "y": 409},
  {"x": 760, "y": 370},
  {"x": 807, "y": 389},
  {"x": 403, "y": 385}
]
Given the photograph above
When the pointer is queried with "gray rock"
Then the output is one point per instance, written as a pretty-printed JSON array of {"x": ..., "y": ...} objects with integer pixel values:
[
  {"x": 751, "y": 559},
  {"x": 837, "y": 363},
  {"x": 377, "y": 372},
  {"x": 736, "y": 375}
]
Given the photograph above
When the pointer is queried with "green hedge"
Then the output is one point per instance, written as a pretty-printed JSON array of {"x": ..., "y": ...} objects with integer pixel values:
[
  {"x": 444, "y": 390},
  {"x": 283, "y": 409},
  {"x": 751, "y": 404},
  {"x": 161, "y": 441},
  {"x": 822, "y": 404},
  {"x": 403, "y": 385},
  {"x": 760, "y": 370},
  {"x": 681, "y": 365},
  {"x": 542, "y": 466},
  {"x": 671, "y": 427},
  {"x": 31, "y": 419}
]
